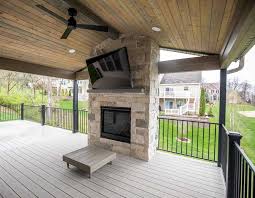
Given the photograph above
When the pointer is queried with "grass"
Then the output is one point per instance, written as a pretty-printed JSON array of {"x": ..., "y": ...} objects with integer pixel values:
[
  {"x": 240, "y": 123},
  {"x": 203, "y": 138},
  {"x": 68, "y": 104}
]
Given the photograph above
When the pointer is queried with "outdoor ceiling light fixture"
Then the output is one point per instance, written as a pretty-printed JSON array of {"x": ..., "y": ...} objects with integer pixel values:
[
  {"x": 71, "y": 51},
  {"x": 156, "y": 29}
]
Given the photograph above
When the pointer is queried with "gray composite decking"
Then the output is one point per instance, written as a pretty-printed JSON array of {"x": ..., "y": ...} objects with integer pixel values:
[{"x": 31, "y": 166}]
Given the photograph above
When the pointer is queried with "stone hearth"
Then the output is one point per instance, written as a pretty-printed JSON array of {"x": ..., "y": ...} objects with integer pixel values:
[{"x": 142, "y": 99}]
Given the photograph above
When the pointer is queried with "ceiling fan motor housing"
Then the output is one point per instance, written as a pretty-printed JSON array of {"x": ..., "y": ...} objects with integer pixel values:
[
  {"x": 72, "y": 22},
  {"x": 72, "y": 12}
]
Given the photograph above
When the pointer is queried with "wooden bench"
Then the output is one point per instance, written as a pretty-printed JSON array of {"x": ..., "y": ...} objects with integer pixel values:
[{"x": 90, "y": 158}]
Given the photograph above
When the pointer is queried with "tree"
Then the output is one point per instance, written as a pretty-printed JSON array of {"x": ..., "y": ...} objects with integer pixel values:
[
  {"x": 245, "y": 89},
  {"x": 233, "y": 84},
  {"x": 202, "y": 102}
]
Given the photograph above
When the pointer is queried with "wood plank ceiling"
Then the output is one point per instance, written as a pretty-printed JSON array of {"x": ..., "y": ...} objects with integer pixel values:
[{"x": 29, "y": 34}]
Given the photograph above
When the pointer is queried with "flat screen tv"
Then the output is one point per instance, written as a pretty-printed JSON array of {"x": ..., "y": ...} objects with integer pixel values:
[{"x": 110, "y": 70}]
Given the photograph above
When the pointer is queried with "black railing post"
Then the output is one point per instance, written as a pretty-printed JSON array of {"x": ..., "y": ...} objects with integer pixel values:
[
  {"x": 222, "y": 110},
  {"x": 43, "y": 110},
  {"x": 75, "y": 106},
  {"x": 231, "y": 162},
  {"x": 22, "y": 111}
]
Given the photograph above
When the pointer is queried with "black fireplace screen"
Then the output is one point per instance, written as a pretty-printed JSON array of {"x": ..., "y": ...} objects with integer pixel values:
[{"x": 115, "y": 123}]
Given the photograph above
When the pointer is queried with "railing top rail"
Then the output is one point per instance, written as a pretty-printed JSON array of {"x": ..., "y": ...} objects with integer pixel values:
[
  {"x": 187, "y": 120},
  {"x": 238, "y": 147}
]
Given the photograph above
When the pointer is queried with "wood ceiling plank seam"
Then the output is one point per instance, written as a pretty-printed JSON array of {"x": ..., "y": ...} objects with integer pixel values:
[
  {"x": 118, "y": 7},
  {"x": 31, "y": 27},
  {"x": 101, "y": 12},
  {"x": 38, "y": 34},
  {"x": 173, "y": 9},
  {"x": 224, "y": 23},
  {"x": 136, "y": 18},
  {"x": 28, "y": 8},
  {"x": 62, "y": 10},
  {"x": 22, "y": 55},
  {"x": 10, "y": 30},
  {"x": 196, "y": 22},
  {"x": 23, "y": 40},
  {"x": 156, "y": 21},
  {"x": 236, "y": 16},
  {"x": 85, "y": 34},
  {"x": 146, "y": 19},
  {"x": 205, "y": 9},
  {"x": 32, "y": 41},
  {"x": 216, "y": 22},
  {"x": 163, "y": 6},
  {"x": 241, "y": 41},
  {"x": 163, "y": 25},
  {"x": 227, "y": 22},
  {"x": 35, "y": 48},
  {"x": 209, "y": 30},
  {"x": 185, "y": 18},
  {"x": 17, "y": 46}
]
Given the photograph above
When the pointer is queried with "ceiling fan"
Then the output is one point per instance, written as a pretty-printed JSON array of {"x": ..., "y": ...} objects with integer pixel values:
[{"x": 71, "y": 22}]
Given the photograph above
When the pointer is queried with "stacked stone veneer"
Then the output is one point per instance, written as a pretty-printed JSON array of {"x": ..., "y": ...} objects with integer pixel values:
[{"x": 143, "y": 58}]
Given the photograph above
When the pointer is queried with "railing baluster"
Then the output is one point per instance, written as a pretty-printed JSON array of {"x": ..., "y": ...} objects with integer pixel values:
[
  {"x": 203, "y": 140},
  {"x": 167, "y": 133},
  {"x": 181, "y": 136},
  {"x": 172, "y": 135},
  {"x": 197, "y": 137},
  {"x": 192, "y": 139},
  {"x": 187, "y": 138},
  {"x": 177, "y": 133},
  {"x": 249, "y": 184},
  {"x": 209, "y": 141},
  {"x": 163, "y": 144}
]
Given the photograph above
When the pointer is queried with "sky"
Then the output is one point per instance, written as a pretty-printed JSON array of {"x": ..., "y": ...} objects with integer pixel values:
[{"x": 247, "y": 73}]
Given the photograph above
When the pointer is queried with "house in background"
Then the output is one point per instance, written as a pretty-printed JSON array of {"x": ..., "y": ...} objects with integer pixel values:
[
  {"x": 65, "y": 88},
  {"x": 212, "y": 92},
  {"x": 179, "y": 93}
]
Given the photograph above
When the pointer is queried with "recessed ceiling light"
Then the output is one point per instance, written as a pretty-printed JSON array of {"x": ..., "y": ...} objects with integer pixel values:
[
  {"x": 71, "y": 51},
  {"x": 156, "y": 29}
]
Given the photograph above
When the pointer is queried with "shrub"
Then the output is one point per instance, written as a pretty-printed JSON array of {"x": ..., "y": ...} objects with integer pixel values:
[{"x": 202, "y": 102}]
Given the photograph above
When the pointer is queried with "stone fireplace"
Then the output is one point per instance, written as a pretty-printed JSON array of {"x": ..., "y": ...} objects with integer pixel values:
[{"x": 125, "y": 120}]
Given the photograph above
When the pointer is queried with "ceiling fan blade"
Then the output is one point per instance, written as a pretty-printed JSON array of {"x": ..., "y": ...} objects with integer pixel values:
[
  {"x": 99, "y": 28},
  {"x": 52, "y": 13},
  {"x": 66, "y": 33}
]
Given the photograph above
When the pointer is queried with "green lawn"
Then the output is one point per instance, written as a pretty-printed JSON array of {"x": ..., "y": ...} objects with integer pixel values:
[
  {"x": 203, "y": 138},
  {"x": 68, "y": 104},
  {"x": 240, "y": 123}
]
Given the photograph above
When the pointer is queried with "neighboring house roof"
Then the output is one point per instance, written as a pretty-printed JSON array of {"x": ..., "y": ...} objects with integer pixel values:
[
  {"x": 183, "y": 77},
  {"x": 211, "y": 86}
]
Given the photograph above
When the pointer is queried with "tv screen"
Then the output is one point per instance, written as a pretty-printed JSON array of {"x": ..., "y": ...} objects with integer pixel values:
[{"x": 110, "y": 70}]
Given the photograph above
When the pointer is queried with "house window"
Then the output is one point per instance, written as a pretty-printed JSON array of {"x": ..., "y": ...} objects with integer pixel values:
[
  {"x": 80, "y": 90},
  {"x": 186, "y": 88},
  {"x": 168, "y": 104},
  {"x": 169, "y": 89}
]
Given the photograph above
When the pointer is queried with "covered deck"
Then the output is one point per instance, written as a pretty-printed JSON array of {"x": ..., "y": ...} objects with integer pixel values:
[{"x": 31, "y": 166}]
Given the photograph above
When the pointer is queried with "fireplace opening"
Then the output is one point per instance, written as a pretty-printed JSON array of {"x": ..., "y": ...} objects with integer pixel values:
[{"x": 115, "y": 123}]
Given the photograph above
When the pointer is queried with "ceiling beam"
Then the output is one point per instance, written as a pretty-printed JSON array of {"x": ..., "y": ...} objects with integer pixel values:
[
  {"x": 242, "y": 37},
  {"x": 21, "y": 66},
  {"x": 112, "y": 32},
  {"x": 202, "y": 63},
  {"x": 82, "y": 75}
]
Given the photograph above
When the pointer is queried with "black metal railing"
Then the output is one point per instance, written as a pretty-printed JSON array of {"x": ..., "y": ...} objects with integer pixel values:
[
  {"x": 32, "y": 113},
  {"x": 83, "y": 121},
  {"x": 10, "y": 112},
  {"x": 237, "y": 168},
  {"x": 187, "y": 137},
  {"x": 244, "y": 180},
  {"x": 58, "y": 117}
]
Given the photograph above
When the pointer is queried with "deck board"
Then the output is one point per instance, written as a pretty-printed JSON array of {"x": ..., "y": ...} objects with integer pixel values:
[{"x": 31, "y": 166}]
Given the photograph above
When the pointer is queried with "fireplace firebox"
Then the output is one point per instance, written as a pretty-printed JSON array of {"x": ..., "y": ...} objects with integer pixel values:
[{"x": 115, "y": 123}]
